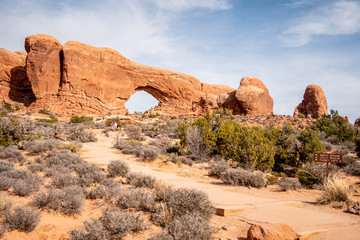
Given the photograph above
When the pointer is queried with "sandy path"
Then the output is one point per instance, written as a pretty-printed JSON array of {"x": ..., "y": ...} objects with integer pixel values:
[{"x": 311, "y": 221}]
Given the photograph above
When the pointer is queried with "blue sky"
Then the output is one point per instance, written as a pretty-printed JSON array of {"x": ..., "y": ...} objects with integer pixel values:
[{"x": 288, "y": 44}]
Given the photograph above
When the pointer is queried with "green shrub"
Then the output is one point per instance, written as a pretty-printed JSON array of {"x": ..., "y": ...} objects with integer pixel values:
[
  {"x": 114, "y": 120},
  {"x": 310, "y": 144},
  {"x": 82, "y": 119},
  {"x": 247, "y": 146},
  {"x": 335, "y": 127},
  {"x": 44, "y": 111},
  {"x": 53, "y": 119}
]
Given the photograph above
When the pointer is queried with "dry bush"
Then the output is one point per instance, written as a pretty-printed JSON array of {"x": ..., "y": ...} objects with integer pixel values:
[
  {"x": 63, "y": 158},
  {"x": 88, "y": 173},
  {"x": 6, "y": 166},
  {"x": 92, "y": 230},
  {"x": 61, "y": 181},
  {"x": 141, "y": 199},
  {"x": 242, "y": 177},
  {"x": 36, "y": 147},
  {"x": 162, "y": 216},
  {"x": 141, "y": 180},
  {"x": 148, "y": 154},
  {"x": 36, "y": 167},
  {"x": 289, "y": 184},
  {"x": 195, "y": 143},
  {"x": 335, "y": 190},
  {"x": 127, "y": 147},
  {"x": 185, "y": 201},
  {"x": 22, "y": 219},
  {"x": 217, "y": 168},
  {"x": 79, "y": 133},
  {"x": 134, "y": 132},
  {"x": 118, "y": 224},
  {"x": 353, "y": 169},
  {"x": 25, "y": 188},
  {"x": 67, "y": 201},
  {"x": 118, "y": 168},
  {"x": 174, "y": 158},
  {"x": 5, "y": 183},
  {"x": 12, "y": 154},
  {"x": 187, "y": 227}
]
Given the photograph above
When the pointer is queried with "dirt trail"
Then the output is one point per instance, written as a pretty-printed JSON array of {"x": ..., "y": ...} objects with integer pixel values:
[{"x": 309, "y": 220}]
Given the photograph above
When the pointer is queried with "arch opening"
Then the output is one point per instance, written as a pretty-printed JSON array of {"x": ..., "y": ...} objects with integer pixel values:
[{"x": 141, "y": 101}]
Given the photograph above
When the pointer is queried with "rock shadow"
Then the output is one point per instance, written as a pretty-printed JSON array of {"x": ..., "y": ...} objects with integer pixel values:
[{"x": 20, "y": 87}]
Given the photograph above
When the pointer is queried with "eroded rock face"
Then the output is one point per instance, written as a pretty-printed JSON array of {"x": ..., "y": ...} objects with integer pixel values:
[
  {"x": 266, "y": 231},
  {"x": 357, "y": 122},
  {"x": 314, "y": 103},
  {"x": 251, "y": 98},
  {"x": 14, "y": 84},
  {"x": 43, "y": 64}
]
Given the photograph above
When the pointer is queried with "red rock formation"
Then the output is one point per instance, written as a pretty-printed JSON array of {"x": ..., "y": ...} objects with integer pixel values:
[
  {"x": 314, "y": 103},
  {"x": 14, "y": 84},
  {"x": 266, "y": 231},
  {"x": 43, "y": 64},
  {"x": 357, "y": 122},
  {"x": 251, "y": 98}
]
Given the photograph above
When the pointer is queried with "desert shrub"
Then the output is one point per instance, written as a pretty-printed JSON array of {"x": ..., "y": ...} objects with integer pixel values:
[
  {"x": 82, "y": 119},
  {"x": 67, "y": 201},
  {"x": 63, "y": 158},
  {"x": 341, "y": 149},
  {"x": 92, "y": 230},
  {"x": 52, "y": 120},
  {"x": 140, "y": 199},
  {"x": 217, "y": 168},
  {"x": 6, "y": 166},
  {"x": 162, "y": 216},
  {"x": 357, "y": 148},
  {"x": 88, "y": 173},
  {"x": 118, "y": 224},
  {"x": 190, "y": 226},
  {"x": 13, "y": 130},
  {"x": 242, "y": 177},
  {"x": 196, "y": 145},
  {"x": 310, "y": 144},
  {"x": 79, "y": 133},
  {"x": 348, "y": 160},
  {"x": 12, "y": 154},
  {"x": 336, "y": 128},
  {"x": 25, "y": 188},
  {"x": 286, "y": 145},
  {"x": 43, "y": 145},
  {"x": 248, "y": 146},
  {"x": 118, "y": 168},
  {"x": 61, "y": 181},
  {"x": 271, "y": 179},
  {"x": 162, "y": 191},
  {"x": 22, "y": 219},
  {"x": 56, "y": 169},
  {"x": 353, "y": 169},
  {"x": 148, "y": 154},
  {"x": 46, "y": 200},
  {"x": 185, "y": 201},
  {"x": 36, "y": 167},
  {"x": 141, "y": 180},
  {"x": 289, "y": 184},
  {"x": 44, "y": 111},
  {"x": 98, "y": 192},
  {"x": 127, "y": 147},
  {"x": 134, "y": 132},
  {"x": 180, "y": 159},
  {"x": 73, "y": 147},
  {"x": 161, "y": 142},
  {"x": 313, "y": 175},
  {"x": 5, "y": 183},
  {"x": 335, "y": 190}
]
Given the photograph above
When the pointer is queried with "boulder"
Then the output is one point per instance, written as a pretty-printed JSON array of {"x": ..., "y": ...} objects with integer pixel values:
[
  {"x": 14, "y": 84},
  {"x": 314, "y": 103},
  {"x": 43, "y": 66},
  {"x": 228, "y": 100},
  {"x": 357, "y": 122},
  {"x": 253, "y": 97},
  {"x": 266, "y": 231}
]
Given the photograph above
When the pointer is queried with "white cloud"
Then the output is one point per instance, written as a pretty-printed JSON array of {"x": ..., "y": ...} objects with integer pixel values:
[
  {"x": 181, "y": 5},
  {"x": 339, "y": 18}
]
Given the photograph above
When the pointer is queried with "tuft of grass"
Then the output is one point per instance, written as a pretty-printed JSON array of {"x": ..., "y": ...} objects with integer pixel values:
[{"x": 335, "y": 190}]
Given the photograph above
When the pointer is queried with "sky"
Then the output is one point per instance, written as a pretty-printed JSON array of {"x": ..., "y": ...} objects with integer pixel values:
[{"x": 288, "y": 44}]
